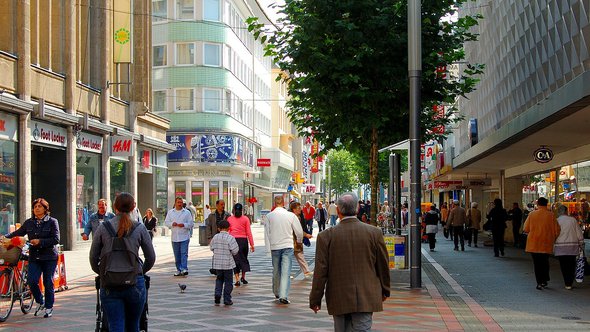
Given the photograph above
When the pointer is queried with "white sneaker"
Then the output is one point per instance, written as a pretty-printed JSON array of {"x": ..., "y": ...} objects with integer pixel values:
[
  {"x": 48, "y": 313},
  {"x": 39, "y": 308}
]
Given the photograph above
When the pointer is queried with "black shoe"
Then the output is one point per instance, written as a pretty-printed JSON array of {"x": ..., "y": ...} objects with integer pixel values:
[
  {"x": 544, "y": 285},
  {"x": 462, "y": 248},
  {"x": 185, "y": 273},
  {"x": 456, "y": 249},
  {"x": 496, "y": 255},
  {"x": 502, "y": 253},
  {"x": 217, "y": 299},
  {"x": 469, "y": 244},
  {"x": 284, "y": 301},
  {"x": 244, "y": 281},
  {"x": 228, "y": 303},
  {"x": 476, "y": 245},
  {"x": 432, "y": 250},
  {"x": 237, "y": 284},
  {"x": 539, "y": 287}
]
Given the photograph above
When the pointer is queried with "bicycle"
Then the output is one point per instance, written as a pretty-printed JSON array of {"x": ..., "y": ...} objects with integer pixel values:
[{"x": 13, "y": 282}]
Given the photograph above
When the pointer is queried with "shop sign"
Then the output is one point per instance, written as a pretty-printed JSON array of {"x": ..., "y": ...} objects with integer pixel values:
[
  {"x": 8, "y": 127},
  {"x": 88, "y": 142},
  {"x": 212, "y": 148},
  {"x": 315, "y": 149},
  {"x": 121, "y": 146},
  {"x": 48, "y": 134},
  {"x": 304, "y": 164},
  {"x": 477, "y": 182},
  {"x": 263, "y": 162},
  {"x": 543, "y": 155},
  {"x": 443, "y": 184},
  {"x": 309, "y": 188}
]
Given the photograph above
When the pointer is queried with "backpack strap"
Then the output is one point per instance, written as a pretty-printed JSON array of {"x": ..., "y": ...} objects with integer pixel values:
[{"x": 107, "y": 224}]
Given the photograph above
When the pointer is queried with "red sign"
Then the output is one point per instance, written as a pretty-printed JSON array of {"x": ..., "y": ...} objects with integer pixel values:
[
  {"x": 121, "y": 146},
  {"x": 263, "y": 162}
]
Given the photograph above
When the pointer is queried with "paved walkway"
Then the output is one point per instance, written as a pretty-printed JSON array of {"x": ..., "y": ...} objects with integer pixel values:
[{"x": 446, "y": 302}]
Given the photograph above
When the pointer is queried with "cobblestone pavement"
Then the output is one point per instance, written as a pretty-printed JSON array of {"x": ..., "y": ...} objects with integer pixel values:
[{"x": 463, "y": 291}]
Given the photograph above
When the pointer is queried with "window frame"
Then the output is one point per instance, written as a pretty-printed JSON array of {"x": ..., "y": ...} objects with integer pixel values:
[
  {"x": 219, "y": 100},
  {"x": 165, "y": 101},
  {"x": 176, "y": 11},
  {"x": 176, "y": 45},
  {"x": 219, "y": 55},
  {"x": 165, "y": 46},
  {"x": 176, "y": 110},
  {"x": 156, "y": 19},
  {"x": 219, "y": 17}
]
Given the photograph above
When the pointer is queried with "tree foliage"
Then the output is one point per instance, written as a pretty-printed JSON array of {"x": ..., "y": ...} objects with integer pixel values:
[
  {"x": 343, "y": 174},
  {"x": 347, "y": 67}
]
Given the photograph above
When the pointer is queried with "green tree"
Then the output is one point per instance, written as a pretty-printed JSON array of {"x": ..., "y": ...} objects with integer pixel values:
[
  {"x": 347, "y": 64},
  {"x": 343, "y": 172}
]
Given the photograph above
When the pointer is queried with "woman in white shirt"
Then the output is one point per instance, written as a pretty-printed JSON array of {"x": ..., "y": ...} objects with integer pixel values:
[{"x": 567, "y": 245}]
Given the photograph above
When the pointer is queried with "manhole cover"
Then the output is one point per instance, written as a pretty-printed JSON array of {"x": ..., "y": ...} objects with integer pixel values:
[{"x": 571, "y": 318}]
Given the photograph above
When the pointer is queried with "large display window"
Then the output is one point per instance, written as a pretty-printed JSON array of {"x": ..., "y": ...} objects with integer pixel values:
[
  {"x": 8, "y": 185},
  {"x": 119, "y": 177},
  {"x": 88, "y": 187},
  {"x": 197, "y": 194}
]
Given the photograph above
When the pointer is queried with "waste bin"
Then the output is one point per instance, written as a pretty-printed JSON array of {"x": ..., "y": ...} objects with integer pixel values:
[{"x": 203, "y": 236}]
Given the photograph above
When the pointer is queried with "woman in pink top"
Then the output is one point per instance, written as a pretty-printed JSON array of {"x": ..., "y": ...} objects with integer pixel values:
[{"x": 240, "y": 229}]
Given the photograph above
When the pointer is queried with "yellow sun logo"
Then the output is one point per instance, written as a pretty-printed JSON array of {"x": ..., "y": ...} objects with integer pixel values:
[{"x": 122, "y": 36}]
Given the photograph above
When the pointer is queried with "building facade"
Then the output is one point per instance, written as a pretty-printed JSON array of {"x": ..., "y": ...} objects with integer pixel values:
[
  {"x": 74, "y": 110},
  {"x": 212, "y": 82},
  {"x": 525, "y": 129}
]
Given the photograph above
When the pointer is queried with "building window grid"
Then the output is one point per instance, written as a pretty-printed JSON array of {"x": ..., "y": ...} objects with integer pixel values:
[
  {"x": 212, "y": 100},
  {"x": 212, "y": 54},
  {"x": 160, "y": 56},
  {"x": 185, "y": 9},
  {"x": 160, "y": 101},
  {"x": 185, "y": 100},
  {"x": 185, "y": 54},
  {"x": 159, "y": 10}
]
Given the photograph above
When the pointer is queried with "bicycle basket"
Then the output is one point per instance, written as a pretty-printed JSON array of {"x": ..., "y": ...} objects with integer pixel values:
[{"x": 10, "y": 256}]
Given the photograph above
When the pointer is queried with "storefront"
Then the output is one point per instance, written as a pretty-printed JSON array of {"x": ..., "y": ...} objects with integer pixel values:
[{"x": 88, "y": 177}]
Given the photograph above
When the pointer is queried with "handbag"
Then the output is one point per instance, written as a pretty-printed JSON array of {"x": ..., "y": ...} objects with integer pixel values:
[
  {"x": 212, "y": 270},
  {"x": 580, "y": 265}
]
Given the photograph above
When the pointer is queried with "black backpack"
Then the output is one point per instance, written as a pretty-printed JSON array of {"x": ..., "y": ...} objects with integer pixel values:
[{"x": 119, "y": 263}]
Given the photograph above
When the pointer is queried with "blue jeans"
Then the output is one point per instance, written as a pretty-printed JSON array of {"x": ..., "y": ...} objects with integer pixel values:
[
  {"x": 123, "y": 307},
  {"x": 333, "y": 220},
  {"x": 47, "y": 268},
  {"x": 224, "y": 281},
  {"x": 309, "y": 223},
  {"x": 181, "y": 255},
  {"x": 282, "y": 259}
]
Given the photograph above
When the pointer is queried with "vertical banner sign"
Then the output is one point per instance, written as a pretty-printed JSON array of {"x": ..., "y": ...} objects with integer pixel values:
[
  {"x": 121, "y": 146},
  {"x": 122, "y": 31},
  {"x": 304, "y": 165},
  {"x": 439, "y": 113},
  {"x": 315, "y": 148}
]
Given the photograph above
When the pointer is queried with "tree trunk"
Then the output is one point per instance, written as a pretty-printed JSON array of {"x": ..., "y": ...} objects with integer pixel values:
[{"x": 374, "y": 174}]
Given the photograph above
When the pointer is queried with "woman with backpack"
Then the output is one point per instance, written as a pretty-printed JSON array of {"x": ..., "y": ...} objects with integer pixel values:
[{"x": 116, "y": 244}]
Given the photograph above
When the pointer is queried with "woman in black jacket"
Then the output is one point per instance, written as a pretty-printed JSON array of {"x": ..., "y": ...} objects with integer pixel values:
[
  {"x": 497, "y": 218},
  {"x": 150, "y": 222},
  {"x": 43, "y": 233}
]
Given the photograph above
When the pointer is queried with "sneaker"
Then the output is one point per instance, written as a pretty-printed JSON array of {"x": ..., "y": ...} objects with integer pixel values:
[
  {"x": 568, "y": 287},
  {"x": 178, "y": 274},
  {"x": 228, "y": 303},
  {"x": 539, "y": 287},
  {"x": 476, "y": 245},
  {"x": 184, "y": 272},
  {"x": 217, "y": 299},
  {"x": 48, "y": 313},
  {"x": 237, "y": 284},
  {"x": 431, "y": 250},
  {"x": 284, "y": 301},
  {"x": 39, "y": 308}
]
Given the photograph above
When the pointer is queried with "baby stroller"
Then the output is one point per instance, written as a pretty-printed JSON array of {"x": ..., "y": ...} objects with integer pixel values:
[{"x": 101, "y": 319}]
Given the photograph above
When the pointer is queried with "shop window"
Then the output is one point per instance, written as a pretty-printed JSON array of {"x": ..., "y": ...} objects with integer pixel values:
[
  {"x": 8, "y": 185},
  {"x": 179, "y": 189},
  {"x": 213, "y": 192},
  {"x": 197, "y": 194},
  {"x": 88, "y": 187},
  {"x": 119, "y": 177},
  {"x": 161, "y": 193}
]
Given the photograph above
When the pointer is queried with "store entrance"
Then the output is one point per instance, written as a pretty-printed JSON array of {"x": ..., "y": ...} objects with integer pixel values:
[
  {"x": 48, "y": 180},
  {"x": 145, "y": 192}
]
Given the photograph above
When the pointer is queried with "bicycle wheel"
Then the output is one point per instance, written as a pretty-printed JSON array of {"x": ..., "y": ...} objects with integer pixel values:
[
  {"x": 6, "y": 293},
  {"x": 26, "y": 296}
]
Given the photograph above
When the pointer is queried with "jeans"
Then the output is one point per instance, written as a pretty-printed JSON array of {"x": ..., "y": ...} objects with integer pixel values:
[
  {"x": 282, "y": 259},
  {"x": 309, "y": 223},
  {"x": 47, "y": 268},
  {"x": 123, "y": 307},
  {"x": 181, "y": 255},
  {"x": 356, "y": 321},
  {"x": 333, "y": 220},
  {"x": 224, "y": 281}
]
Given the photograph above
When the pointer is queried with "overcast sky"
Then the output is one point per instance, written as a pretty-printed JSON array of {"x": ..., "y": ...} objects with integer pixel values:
[{"x": 270, "y": 11}]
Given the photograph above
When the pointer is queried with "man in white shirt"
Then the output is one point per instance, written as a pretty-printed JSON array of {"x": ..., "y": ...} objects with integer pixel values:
[
  {"x": 280, "y": 226},
  {"x": 180, "y": 220},
  {"x": 333, "y": 213}
]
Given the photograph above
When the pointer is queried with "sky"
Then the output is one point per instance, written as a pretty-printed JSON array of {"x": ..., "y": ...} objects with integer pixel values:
[{"x": 270, "y": 11}]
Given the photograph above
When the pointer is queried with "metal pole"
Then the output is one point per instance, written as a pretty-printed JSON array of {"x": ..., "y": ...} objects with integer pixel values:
[
  {"x": 414, "y": 75},
  {"x": 397, "y": 170},
  {"x": 392, "y": 193}
]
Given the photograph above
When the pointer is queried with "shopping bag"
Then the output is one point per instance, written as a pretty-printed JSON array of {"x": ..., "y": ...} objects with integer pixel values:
[
  {"x": 446, "y": 233},
  {"x": 580, "y": 264}
]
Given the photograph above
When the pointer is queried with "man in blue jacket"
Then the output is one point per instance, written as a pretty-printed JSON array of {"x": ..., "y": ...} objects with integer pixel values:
[{"x": 96, "y": 219}]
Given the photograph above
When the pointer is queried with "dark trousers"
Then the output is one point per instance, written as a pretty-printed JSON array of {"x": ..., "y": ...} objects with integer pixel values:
[
  {"x": 472, "y": 236},
  {"x": 309, "y": 223},
  {"x": 450, "y": 232},
  {"x": 498, "y": 237},
  {"x": 516, "y": 232},
  {"x": 541, "y": 265},
  {"x": 47, "y": 268},
  {"x": 224, "y": 281},
  {"x": 458, "y": 236},
  {"x": 431, "y": 240},
  {"x": 322, "y": 225},
  {"x": 568, "y": 268}
]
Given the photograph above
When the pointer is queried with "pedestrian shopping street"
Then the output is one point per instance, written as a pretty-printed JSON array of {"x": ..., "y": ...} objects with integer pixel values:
[{"x": 462, "y": 291}]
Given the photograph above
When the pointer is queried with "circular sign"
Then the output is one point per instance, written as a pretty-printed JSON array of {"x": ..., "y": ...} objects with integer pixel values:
[{"x": 543, "y": 155}]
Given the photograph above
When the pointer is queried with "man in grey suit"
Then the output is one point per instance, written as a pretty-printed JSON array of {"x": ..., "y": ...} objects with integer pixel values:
[{"x": 351, "y": 265}]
